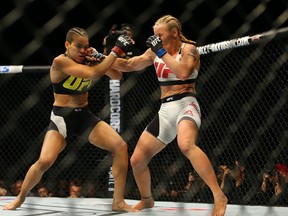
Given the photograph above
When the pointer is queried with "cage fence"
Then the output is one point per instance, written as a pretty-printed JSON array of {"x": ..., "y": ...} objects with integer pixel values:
[{"x": 242, "y": 93}]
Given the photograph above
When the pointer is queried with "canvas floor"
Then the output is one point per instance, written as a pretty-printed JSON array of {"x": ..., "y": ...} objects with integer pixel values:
[{"x": 53, "y": 206}]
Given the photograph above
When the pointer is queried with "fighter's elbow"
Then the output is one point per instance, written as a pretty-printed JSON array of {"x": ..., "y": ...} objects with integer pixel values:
[{"x": 117, "y": 76}]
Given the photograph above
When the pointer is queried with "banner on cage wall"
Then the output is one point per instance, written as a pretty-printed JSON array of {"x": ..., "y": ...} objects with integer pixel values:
[{"x": 115, "y": 122}]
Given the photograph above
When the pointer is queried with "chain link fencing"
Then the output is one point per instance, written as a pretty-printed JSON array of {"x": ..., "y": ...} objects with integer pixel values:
[{"x": 242, "y": 93}]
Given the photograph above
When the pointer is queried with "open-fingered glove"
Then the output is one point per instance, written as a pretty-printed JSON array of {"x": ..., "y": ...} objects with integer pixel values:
[
  {"x": 93, "y": 57},
  {"x": 155, "y": 43},
  {"x": 122, "y": 45},
  {"x": 97, "y": 55}
]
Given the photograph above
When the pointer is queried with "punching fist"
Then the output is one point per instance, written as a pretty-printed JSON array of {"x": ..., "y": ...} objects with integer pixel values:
[
  {"x": 122, "y": 45},
  {"x": 155, "y": 43},
  {"x": 93, "y": 57},
  {"x": 97, "y": 55}
]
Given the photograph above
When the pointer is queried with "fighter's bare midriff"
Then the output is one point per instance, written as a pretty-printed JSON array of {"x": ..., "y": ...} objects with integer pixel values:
[
  {"x": 167, "y": 91},
  {"x": 64, "y": 100}
]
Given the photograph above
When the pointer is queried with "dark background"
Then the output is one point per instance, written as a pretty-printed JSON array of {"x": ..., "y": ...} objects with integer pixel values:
[{"x": 42, "y": 24}]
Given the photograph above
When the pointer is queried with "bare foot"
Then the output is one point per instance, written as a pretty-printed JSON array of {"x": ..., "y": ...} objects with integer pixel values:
[
  {"x": 122, "y": 207},
  {"x": 145, "y": 203},
  {"x": 220, "y": 204},
  {"x": 14, "y": 204}
]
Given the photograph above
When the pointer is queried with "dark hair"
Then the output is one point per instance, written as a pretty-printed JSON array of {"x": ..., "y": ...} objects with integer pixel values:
[
  {"x": 127, "y": 26},
  {"x": 75, "y": 31}
]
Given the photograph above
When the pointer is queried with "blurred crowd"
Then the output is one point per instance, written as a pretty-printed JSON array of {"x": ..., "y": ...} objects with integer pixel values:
[{"x": 271, "y": 187}]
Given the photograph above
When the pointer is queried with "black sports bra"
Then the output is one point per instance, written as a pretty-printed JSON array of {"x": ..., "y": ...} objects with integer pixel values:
[{"x": 73, "y": 86}]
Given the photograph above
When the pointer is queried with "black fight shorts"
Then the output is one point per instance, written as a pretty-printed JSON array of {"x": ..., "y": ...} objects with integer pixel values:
[{"x": 73, "y": 121}]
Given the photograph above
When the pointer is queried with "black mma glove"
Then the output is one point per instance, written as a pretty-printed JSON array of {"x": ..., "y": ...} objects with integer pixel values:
[
  {"x": 122, "y": 45},
  {"x": 155, "y": 43},
  {"x": 93, "y": 57},
  {"x": 97, "y": 55}
]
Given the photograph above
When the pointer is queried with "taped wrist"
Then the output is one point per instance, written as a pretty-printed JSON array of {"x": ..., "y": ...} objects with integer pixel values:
[
  {"x": 119, "y": 52},
  {"x": 161, "y": 52}
]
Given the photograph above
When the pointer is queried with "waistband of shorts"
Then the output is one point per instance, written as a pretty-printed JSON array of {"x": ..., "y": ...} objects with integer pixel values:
[
  {"x": 68, "y": 109},
  {"x": 177, "y": 97}
]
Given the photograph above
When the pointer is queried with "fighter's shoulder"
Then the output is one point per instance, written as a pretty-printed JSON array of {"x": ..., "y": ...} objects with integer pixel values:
[
  {"x": 190, "y": 48},
  {"x": 60, "y": 57},
  {"x": 61, "y": 60}
]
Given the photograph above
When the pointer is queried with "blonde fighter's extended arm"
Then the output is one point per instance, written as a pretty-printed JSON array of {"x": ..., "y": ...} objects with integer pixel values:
[
  {"x": 114, "y": 74},
  {"x": 135, "y": 63}
]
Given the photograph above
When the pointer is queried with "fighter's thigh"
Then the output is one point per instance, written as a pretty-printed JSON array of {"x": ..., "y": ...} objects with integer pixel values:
[
  {"x": 105, "y": 137},
  {"x": 187, "y": 134},
  {"x": 147, "y": 147},
  {"x": 53, "y": 144}
]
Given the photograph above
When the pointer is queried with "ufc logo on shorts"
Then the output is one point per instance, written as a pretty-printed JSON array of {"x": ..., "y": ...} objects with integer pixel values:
[{"x": 188, "y": 112}]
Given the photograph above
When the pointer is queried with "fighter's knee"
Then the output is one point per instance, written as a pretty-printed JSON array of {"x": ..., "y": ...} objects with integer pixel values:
[
  {"x": 135, "y": 162},
  {"x": 121, "y": 146},
  {"x": 43, "y": 165},
  {"x": 187, "y": 149}
]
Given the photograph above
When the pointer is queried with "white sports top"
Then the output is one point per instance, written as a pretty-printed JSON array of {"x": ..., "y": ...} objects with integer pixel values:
[{"x": 166, "y": 77}]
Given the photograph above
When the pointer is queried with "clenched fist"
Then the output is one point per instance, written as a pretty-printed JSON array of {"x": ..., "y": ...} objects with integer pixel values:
[
  {"x": 122, "y": 44},
  {"x": 155, "y": 43}
]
